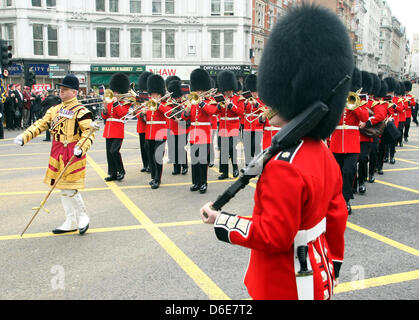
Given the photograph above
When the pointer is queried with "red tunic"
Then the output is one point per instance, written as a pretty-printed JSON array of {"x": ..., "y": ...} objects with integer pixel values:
[
  {"x": 200, "y": 117},
  {"x": 114, "y": 127},
  {"x": 230, "y": 118},
  {"x": 411, "y": 103},
  {"x": 278, "y": 218},
  {"x": 268, "y": 132},
  {"x": 250, "y": 122},
  {"x": 156, "y": 124},
  {"x": 346, "y": 137}
]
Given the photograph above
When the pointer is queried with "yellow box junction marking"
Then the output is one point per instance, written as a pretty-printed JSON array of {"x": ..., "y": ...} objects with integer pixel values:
[{"x": 191, "y": 269}]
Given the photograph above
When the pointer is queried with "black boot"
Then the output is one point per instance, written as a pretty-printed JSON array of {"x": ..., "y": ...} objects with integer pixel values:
[
  {"x": 184, "y": 170},
  {"x": 362, "y": 188},
  {"x": 348, "y": 206},
  {"x": 110, "y": 178},
  {"x": 195, "y": 187},
  {"x": 392, "y": 161},
  {"x": 203, "y": 188},
  {"x": 371, "y": 178},
  {"x": 235, "y": 170}
]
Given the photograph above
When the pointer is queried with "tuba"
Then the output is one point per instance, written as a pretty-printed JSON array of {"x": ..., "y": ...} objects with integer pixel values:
[{"x": 353, "y": 100}]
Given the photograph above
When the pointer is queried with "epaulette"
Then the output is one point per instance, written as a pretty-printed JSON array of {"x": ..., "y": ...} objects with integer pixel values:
[
  {"x": 288, "y": 154},
  {"x": 375, "y": 103}
]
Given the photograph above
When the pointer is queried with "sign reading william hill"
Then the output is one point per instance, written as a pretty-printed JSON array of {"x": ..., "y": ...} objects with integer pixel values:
[{"x": 116, "y": 68}]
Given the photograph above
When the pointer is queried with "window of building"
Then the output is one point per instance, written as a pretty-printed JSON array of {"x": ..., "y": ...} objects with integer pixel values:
[
  {"x": 114, "y": 45},
  {"x": 215, "y": 7},
  {"x": 52, "y": 41},
  {"x": 38, "y": 39},
  {"x": 136, "y": 43},
  {"x": 8, "y": 33},
  {"x": 228, "y": 44},
  {"x": 9, "y": 3},
  {"x": 170, "y": 43},
  {"x": 135, "y": 6},
  {"x": 215, "y": 44},
  {"x": 260, "y": 14},
  {"x": 113, "y": 5},
  {"x": 170, "y": 6},
  {"x": 156, "y": 7},
  {"x": 51, "y": 3},
  {"x": 100, "y": 5},
  {"x": 101, "y": 42},
  {"x": 36, "y": 3},
  {"x": 228, "y": 7},
  {"x": 157, "y": 44}
]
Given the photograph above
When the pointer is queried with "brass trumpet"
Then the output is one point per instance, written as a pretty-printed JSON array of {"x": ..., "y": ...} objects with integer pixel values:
[
  {"x": 257, "y": 113},
  {"x": 353, "y": 101},
  {"x": 151, "y": 104}
]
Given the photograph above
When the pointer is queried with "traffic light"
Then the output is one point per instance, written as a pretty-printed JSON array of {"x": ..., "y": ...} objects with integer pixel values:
[
  {"x": 5, "y": 54},
  {"x": 30, "y": 78}
]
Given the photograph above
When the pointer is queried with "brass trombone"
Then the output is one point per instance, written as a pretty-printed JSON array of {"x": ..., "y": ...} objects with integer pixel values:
[
  {"x": 151, "y": 104},
  {"x": 193, "y": 98},
  {"x": 257, "y": 114}
]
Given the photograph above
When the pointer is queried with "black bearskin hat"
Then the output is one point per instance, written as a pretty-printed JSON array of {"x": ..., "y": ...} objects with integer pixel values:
[
  {"x": 402, "y": 89},
  {"x": 391, "y": 84},
  {"x": 367, "y": 82},
  {"x": 227, "y": 81},
  {"x": 239, "y": 86},
  {"x": 408, "y": 86},
  {"x": 200, "y": 80},
  {"x": 308, "y": 54},
  {"x": 171, "y": 78},
  {"x": 251, "y": 83},
  {"x": 356, "y": 80},
  {"x": 156, "y": 84},
  {"x": 119, "y": 83},
  {"x": 142, "y": 80},
  {"x": 174, "y": 88},
  {"x": 376, "y": 85},
  {"x": 383, "y": 90}
]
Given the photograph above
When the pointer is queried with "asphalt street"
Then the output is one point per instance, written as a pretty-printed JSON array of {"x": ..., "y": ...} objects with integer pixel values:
[{"x": 152, "y": 245}]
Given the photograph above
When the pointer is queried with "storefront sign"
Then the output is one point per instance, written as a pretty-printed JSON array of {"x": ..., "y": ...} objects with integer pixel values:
[
  {"x": 15, "y": 69},
  {"x": 114, "y": 68},
  {"x": 183, "y": 72},
  {"x": 58, "y": 70},
  {"x": 41, "y": 86},
  {"x": 39, "y": 69},
  {"x": 239, "y": 70}
]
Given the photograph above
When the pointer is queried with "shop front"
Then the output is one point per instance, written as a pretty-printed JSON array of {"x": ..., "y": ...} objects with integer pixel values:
[
  {"x": 241, "y": 71},
  {"x": 102, "y": 74}
]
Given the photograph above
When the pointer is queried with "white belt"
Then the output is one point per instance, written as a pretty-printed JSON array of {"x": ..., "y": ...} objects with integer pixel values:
[
  {"x": 230, "y": 118},
  {"x": 305, "y": 286},
  {"x": 271, "y": 128},
  {"x": 156, "y": 122},
  {"x": 197, "y": 123},
  {"x": 115, "y": 120},
  {"x": 346, "y": 127}
]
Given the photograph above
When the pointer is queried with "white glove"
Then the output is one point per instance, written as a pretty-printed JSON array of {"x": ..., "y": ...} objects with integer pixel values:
[
  {"x": 19, "y": 140},
  {"x": 1, "y": 115},
  {"x": 77, "y": 151}
]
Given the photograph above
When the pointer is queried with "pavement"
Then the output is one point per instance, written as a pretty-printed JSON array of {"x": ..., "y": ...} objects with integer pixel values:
[{"x": 152, "y": 245}]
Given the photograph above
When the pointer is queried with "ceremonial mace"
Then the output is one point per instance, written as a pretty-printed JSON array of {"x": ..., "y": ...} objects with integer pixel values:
[{"x": 93, "y": 127}]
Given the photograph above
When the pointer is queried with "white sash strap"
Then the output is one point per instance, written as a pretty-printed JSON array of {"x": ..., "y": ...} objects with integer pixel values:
[
  {"x": 197, "y": 123},
  {"x": 230, "y": 118},
  {"x": 271, "y": 128},
  {"x": 115, "y": 120},
  {"x": 305, "y": 285},
  {"x": 156, "y": 122},
  {"x": 346, "y": 127}
]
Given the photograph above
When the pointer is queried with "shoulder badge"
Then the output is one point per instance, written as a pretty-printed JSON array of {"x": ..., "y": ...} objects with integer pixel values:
[{"x": 288, "y": 154}]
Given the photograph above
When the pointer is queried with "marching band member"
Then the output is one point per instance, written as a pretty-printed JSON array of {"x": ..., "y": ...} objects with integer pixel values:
[
  {"x": 69, "y": 123},
  {"x": 384, "y": 138},
  {"x": 268, "y": 131},
  {"x": 177, "y": 131},
  {"x": 294, "y": 227},
  {"x": 142, "y": 84},
  {"x": 114, "y": 127},
  {"x": 230, "y": 112},
  {"x": 253, "y": 128},
  {"x": 410, "y": 104},
  {"x": 156, "y": 127},
  {"x": 402, "y": 115},
  {"x": 367, "y": 86},
  {"x": 199, "y": 114},
  {"x": 345, "y": 139}
]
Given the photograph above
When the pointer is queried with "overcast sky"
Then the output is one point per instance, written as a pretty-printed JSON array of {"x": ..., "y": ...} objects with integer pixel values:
[{"x": 407, "y": 12}]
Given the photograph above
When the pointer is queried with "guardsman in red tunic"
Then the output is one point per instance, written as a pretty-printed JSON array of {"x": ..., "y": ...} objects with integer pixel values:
[
  {"x": 410, "y": 105},
  {"x": 230, "y": 112},
  {"x": 380, "y": 114},
  {"x": 156, "y": 127},
  {"x": 296, "y": 233},
  {"x": 177, "y": 129},
  {"x": 268, "y": 131},
  {"x": 402, "y": 114},
  {"x": 142, "y": 84},
  {"x": 253, "y": 128},
  {"x": 114, "y": 127},
  {"x": 199, "y": 113},
  {"x": 385, "y": 102},
  {"x": 361, "y": 176},
  {"x": 345, "y": 140}
]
